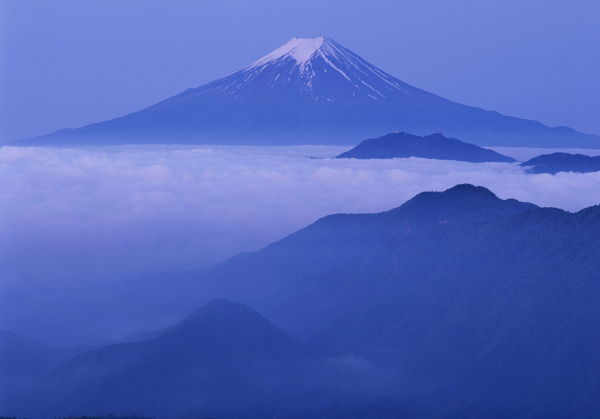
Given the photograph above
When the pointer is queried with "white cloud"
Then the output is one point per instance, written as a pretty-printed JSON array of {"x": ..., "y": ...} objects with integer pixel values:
[{"x": 73, "y": 218}]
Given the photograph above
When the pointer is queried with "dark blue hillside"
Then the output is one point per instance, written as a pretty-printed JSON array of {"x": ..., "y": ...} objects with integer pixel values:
[
  {"x": 562, "y": 162},
  {"x": 435, "y": 146},
  {"x": 328, "y": 267},
  {"x": 486, "y": 307},
  {"x": 223, "y": 357},
  {"x": 457, "y": 304}
]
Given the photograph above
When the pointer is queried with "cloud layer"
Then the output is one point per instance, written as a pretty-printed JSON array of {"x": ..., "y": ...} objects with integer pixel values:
[{"x": 74, "y": 219}]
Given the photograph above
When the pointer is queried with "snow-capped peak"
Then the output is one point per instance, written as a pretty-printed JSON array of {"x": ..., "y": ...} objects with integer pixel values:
[
  {"x": 300, "y": 49},
  {"x": 311, "y": 65}
]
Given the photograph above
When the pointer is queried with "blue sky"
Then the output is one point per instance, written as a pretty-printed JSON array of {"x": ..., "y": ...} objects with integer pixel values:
[{"x": 70, "y": 63}]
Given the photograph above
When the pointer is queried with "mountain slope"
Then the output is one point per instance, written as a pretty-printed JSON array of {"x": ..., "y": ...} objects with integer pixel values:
[
  {"x": 222, "y": 357},
  {"x": 562, "y": 162},
  {"x": 455, "y": 304},
  {"x": 435, "y": 146},
  {"x": 484, "y": 307},
  {"x": 325, "y": 270},
  {"x": 310, "y": 91}
]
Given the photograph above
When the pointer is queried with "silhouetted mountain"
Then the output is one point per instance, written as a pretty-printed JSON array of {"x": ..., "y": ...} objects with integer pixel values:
[
  {"x": 310, "y": 91},
  {"x": 224, "y": 356},
  {"x": 562, "y": 162},
  {"x": 326, "y": 269},
  {"x": 455, "y": 304},
  {"x": 480, "y": 307},
  {"x": 435, "y": 146}
]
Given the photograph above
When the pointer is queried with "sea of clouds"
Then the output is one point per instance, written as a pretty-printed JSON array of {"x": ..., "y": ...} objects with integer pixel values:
[{"x": 73, "y": 221}]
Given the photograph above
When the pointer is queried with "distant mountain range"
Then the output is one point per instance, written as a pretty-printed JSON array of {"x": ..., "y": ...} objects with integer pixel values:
[
  {"x": 435, "y": 146},
  {"x": 562, "y": 162},
  {"x": 310, "y": 91},
  {"x": 455, "y": 304}
]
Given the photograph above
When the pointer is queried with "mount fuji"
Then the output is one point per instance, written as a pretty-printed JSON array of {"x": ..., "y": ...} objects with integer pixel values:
[{"x": 310, "y": 91}]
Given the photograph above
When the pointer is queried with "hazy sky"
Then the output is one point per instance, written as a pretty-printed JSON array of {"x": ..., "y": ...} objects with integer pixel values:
[{"x": 70, "y": 63}]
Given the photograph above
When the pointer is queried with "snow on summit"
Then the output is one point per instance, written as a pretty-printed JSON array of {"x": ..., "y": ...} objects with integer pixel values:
[
  {"x": 320, "y": 67},
  {"x": 300, "y": 49},
  {"x": 308, "y": 91}
]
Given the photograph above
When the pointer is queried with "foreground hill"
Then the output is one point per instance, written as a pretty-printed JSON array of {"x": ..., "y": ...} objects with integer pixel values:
[
  {"x": 222, "y": 355},
  {"x": 310, "y": 91},
  {"x": 562, "y": 162},
  {"x": 434, "y": 146}
]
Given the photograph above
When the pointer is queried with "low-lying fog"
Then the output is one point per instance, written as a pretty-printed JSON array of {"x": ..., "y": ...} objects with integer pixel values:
[{"x": 75, "y": 221}]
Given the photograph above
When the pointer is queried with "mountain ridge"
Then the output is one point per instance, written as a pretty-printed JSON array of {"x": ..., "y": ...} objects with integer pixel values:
[
  {"x": 562, "y": 162},
  {"x": 310, "y": 91},
  {"x": 368, "y": 235},
  {"x": 489, "y": 316},
  {"x": 205, "y": 363},
  {"x": 434, "y": 146},
  {"x": 454, "y": 304}
]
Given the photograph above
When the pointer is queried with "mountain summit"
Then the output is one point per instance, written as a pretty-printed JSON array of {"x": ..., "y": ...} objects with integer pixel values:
[
  {"x": 434, "y": 146},
  {"x": 306, "y": 62},
  {"x": 310, "y": 91}
]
